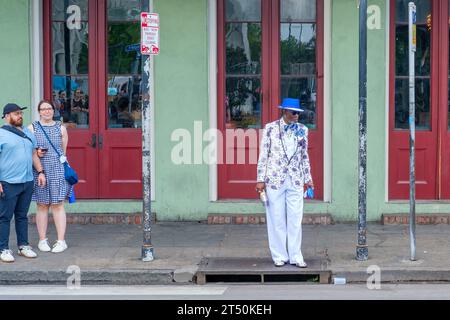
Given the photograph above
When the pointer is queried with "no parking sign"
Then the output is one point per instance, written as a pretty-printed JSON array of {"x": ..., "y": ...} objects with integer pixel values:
[{"x": 149, "y": 33}]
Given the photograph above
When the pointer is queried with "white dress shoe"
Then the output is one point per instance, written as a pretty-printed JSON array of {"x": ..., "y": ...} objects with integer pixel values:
[
  {"x": 279, "y": 263},
  {"x": 301, "y": 264}
]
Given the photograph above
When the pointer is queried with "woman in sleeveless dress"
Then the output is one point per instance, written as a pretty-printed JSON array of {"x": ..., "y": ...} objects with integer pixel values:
[{"x": 57, "y": 190}]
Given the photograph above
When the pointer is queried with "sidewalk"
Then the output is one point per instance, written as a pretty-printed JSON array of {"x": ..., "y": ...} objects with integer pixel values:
[{"x": 110, "y": 254}]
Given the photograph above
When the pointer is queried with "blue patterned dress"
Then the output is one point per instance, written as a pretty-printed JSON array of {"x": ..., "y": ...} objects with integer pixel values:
[{"x": 57, "y": 188}]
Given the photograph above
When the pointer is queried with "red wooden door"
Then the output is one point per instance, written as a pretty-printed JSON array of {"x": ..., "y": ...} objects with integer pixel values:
[
  {"x": 92, "y": 59},
  {"x": 267, "y": 51},
  {"x": 444, "y": 102},
  {"x": 432, "y": 137}
]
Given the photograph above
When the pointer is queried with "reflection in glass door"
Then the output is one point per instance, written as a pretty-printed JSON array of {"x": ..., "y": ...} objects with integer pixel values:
[
  {"x": 298, "y": 33},
  {"x": 124, "y": 64}
]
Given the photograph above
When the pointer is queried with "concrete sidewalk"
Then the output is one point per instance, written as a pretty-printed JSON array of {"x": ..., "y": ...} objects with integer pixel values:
[{"x": 110, "y": 254}]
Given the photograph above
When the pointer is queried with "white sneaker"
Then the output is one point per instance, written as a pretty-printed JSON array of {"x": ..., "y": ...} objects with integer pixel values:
[
  {"x": 59, "y": 246},
  {"x": 44, "y": 246},
  {"x": 27, "y": 252},
  {"x": 7, "y": 256}
]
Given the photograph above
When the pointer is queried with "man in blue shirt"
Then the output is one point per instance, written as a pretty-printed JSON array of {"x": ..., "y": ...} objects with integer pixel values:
[{"x": 17, "y": 157}]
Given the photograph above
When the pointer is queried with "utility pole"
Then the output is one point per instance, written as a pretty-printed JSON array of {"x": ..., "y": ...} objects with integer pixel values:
[
  {"x": 362, "y": 252},
  {"x": 147, "y": 253},
  {"x": 412, "y": 128}
]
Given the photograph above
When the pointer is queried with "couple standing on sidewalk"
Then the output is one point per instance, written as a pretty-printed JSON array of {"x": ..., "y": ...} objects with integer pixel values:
[{"x": 21, "y": 149}]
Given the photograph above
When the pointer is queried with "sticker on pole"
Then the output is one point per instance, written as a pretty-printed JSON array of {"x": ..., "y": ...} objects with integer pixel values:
[
  {"x": 414, "y": 31},
  {"x": 149, "y": 33},
  {"x": 412, "y": 25}
]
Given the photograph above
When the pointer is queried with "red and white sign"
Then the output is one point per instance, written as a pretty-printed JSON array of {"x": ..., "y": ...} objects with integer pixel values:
[{"x": 149, "y": 33}]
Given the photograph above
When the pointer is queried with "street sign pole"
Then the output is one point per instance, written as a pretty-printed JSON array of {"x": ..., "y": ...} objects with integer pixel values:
[
  {"x": 412, "y": 128},
  {"x": 147, "y": 253},
  {"x": 362, "y": 251}
]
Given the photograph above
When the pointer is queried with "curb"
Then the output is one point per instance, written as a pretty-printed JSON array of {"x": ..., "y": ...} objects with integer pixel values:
[
  {"x": 394, "y": 276},
  {"x": 88, "y": 277}
]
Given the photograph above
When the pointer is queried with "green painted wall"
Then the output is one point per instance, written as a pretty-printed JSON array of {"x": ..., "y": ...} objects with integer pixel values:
[
  {"x": 345, "y": 104},
  {"x": 15, "y": 85},
  {"x": 344, "y": 109},
  {"x": 181, "y": 98}
]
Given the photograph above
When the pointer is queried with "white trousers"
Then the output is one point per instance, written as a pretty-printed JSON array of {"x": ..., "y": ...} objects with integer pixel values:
[{"x": 284, "y": 222}]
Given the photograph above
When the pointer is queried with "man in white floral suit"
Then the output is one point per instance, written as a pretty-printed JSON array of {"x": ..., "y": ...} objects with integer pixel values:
[{"x": 283, "y": 172}]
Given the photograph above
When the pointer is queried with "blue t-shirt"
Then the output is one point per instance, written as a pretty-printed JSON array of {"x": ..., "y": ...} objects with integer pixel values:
[{"x": 16, "y": 156}]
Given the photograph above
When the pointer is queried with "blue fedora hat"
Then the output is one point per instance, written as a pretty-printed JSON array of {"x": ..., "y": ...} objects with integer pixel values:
[{"x": 291, "y": 104}]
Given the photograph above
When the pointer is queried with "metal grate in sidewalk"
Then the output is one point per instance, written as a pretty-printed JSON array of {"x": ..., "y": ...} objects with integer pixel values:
[{"x": 260, "y": 270}]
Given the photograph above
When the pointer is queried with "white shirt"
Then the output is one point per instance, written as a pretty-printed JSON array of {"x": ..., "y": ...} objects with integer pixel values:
[{"x": 289, "y": 140}]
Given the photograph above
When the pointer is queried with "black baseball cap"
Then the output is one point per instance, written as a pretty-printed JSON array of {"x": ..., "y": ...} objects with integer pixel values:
[{"x": 11, "y": 107}]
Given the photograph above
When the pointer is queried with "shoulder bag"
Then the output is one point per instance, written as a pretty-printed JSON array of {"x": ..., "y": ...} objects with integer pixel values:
[{"x": 69, "y": 173}]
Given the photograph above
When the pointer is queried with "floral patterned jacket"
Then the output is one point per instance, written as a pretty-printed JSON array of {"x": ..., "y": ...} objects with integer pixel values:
[{"x": 274, "y": 165}]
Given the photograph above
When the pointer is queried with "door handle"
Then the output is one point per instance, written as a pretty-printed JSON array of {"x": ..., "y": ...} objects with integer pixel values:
[
  {"x": 93, "y": 143},
  {"x": 100, "y": 141}
]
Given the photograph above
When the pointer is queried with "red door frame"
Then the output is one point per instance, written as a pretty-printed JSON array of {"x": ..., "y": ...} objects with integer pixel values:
[
  {"x": 101, "y": 177},
  {"x": 444, "y": 136},
  {"x": 271, "y": 79},
  {"x": 315, "y": 149},
  {"x": 243, "y": 188},
  {"x": 117, "y": 179},
  {"x": 80, "y": 154},
  {"x": 430, "y": 174}
]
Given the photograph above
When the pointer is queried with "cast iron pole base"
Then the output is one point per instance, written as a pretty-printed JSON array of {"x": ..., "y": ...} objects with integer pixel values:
[
  {"x": 362, "y": 252},
  {"x": 147, "y": 253}
]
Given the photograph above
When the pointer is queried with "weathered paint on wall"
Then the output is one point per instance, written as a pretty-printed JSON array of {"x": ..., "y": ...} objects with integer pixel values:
[{"x": 15, "y": 51}]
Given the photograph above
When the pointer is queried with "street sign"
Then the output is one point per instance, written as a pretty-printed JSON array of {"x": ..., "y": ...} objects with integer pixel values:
[
  {"x": 133, "y": 47},
  {"x": 149, "y": 33}
]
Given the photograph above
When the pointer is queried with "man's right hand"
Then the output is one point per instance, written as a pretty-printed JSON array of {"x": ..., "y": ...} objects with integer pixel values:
[
  {"x": 1, "y": 188},
  {"x": 260, "y": 186}
]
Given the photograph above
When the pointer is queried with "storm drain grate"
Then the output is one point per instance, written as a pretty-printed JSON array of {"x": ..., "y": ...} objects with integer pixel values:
[{"x": 259, "y": 270}]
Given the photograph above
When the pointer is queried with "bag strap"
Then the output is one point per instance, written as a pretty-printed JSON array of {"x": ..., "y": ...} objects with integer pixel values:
[
  {"x": 16, "y": 131},
  {"x": 48, "y": 139}
]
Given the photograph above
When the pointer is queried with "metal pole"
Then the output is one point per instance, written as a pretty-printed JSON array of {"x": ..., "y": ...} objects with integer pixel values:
[
  {"x": 147, "y": 247},
  {"x": 412, "y": 128},
  {"x": 362, "y": 252}
]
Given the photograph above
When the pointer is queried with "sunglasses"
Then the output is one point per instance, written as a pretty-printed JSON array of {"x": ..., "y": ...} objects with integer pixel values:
[{"x": 294, "y": 113}]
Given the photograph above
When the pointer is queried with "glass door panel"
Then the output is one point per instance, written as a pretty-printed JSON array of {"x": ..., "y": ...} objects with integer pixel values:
[
  {"x": 243, "y": 36},
  {"x": 70, "y": 62},
  {"x": 298, "y": 56},
  {"x": 124, "y": 64}
]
